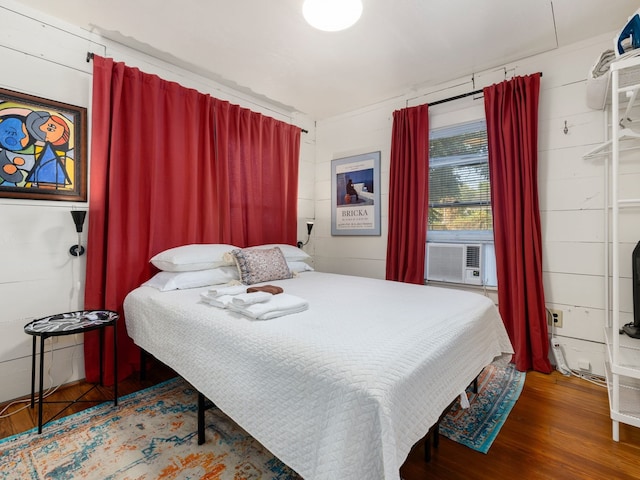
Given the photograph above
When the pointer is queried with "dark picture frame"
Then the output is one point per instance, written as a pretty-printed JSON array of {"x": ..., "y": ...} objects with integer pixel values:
[
  {"x": 43, "y": 148},
  {"x": 355, "y": 187}
]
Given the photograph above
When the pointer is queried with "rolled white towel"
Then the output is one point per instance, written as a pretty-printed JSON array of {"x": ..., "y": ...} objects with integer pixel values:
[
  {"x": 227, "y": 290},
  {"x": 245, "y": 299},
  {"x": 221, "y": 301}
]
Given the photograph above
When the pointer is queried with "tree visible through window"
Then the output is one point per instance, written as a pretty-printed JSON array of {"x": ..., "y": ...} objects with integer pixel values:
[{"x": 459, "y": 189}]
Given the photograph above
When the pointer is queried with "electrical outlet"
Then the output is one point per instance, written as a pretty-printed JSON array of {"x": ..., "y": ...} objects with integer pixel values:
[{"x": 555, "y": 317}]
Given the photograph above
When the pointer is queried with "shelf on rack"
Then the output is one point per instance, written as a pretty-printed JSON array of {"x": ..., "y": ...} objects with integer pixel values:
[
  {"x": 629, "y": 352},
  {"x": 604, "y": 148},
  {"x": 623, "y": 352},
  {"x": 629, "y": 391}
]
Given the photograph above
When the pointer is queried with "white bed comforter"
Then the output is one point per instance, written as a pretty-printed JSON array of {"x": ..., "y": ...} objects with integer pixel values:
[{"x": 342, "y": 390}]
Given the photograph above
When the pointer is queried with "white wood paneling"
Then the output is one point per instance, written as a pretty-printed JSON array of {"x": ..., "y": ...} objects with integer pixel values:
[
  {"x": 44, "y": 60},
  {"x": 567, "y": 163},
  {"x": 586, "y": 193},
  {"x": 62, "y": 365},
  {"x": 569, "y": 289},
  {"x": 576, "y": 350},
  {"x": 572, "y": 226},
  {"x": 373, "y": 268},
  {"x": 580, "y": 322},
  {"x": 578, "y": 258}
]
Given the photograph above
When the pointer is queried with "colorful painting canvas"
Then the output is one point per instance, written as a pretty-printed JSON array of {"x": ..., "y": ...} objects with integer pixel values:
[{"x": 42, "y": 148}]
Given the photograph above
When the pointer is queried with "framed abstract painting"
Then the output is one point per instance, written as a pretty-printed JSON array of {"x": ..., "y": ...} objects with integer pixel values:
[{"x": 43, "y": 152}]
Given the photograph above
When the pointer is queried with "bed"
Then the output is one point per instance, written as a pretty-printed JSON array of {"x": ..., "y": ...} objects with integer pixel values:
[{"x": 341, "y": 390}]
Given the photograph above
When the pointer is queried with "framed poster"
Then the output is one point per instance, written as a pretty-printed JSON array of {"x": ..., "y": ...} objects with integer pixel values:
[
  {"x": 355, "y": 186},
  {"x": 43, "y": 153}
]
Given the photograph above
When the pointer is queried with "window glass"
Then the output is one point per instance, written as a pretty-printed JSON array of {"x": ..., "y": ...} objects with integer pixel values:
[
  {"x": 459, "y": 193},
  {"x": 459, "y": 190}
]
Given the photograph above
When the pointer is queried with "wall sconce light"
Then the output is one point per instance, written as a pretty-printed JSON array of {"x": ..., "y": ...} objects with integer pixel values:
[
  {"x": 309, "y": 228},
  {"x": 78, "y": 219}
]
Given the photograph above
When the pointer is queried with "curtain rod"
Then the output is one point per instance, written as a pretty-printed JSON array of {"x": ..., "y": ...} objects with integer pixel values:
[
  {"x": 90, "y": 57},
  {"x": 457, "y": 97}
]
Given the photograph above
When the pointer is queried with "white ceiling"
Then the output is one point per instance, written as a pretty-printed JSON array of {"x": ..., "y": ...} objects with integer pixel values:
[{"x": 266, "y": 48}]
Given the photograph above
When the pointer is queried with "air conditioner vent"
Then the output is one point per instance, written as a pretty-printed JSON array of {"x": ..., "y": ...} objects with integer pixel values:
[
  {"x": 454, "y": 262},
  {"x": 473, "y": 256}
]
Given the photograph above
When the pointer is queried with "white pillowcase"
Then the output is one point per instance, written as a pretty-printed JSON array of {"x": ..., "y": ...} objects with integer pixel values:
[
  {"x": 289, "y": 251},
  {"x": 165, "y": 281},
  {"x": 193, "y": 257},
  {"x": 297, "y": 267}
]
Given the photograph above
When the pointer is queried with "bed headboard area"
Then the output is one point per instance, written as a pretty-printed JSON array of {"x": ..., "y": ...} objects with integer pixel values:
[{"x": 172, "y": 166}]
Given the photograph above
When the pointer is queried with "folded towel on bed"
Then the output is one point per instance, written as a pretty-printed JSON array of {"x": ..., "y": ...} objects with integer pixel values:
[
  {"x": 220, "y": 301},
  {"x": 277, "y": 306},
  {"x": 272, "y": 289},
  {"x": 227, "y": 290},
  {"x": 245, "y": 299}
]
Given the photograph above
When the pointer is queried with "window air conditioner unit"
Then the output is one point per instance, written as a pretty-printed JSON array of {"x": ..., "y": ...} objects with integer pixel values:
[{"x": 454, "y": 262}]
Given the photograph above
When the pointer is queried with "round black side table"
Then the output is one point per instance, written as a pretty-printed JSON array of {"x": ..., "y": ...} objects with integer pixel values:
[{"x": 68, "y": 324}]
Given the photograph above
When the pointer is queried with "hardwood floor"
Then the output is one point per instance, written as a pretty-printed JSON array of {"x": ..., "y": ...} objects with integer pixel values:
[{"x": 558, "y": 429}]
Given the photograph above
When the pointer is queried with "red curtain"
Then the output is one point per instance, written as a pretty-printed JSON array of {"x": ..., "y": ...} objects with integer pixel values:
[
  {"x": 408, "y": 195},
  {"x": 172, "y": 166},
  {"x": 512, "y": 130}
]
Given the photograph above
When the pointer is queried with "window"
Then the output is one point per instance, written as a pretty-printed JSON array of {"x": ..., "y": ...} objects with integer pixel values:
[{"x": 459, "y": 190}]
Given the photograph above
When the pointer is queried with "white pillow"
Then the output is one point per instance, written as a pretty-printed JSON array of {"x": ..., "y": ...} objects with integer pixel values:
[
  {"x": 289, "y": 251},
  {"x": 165, "y": 281},
  {"x": 193, "y": 257},
  {"x": 297, "y": 267}
]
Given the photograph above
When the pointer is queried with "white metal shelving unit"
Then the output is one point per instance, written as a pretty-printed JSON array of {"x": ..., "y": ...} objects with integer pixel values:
[{"x": 623, "y": 353}]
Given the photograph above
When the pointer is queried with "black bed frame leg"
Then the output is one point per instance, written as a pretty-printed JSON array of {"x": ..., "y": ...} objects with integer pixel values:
[
  {"x": 433, "y": 436},
  {"x": 432, "y": 440},
  {"x": 427, "y": 449},
  {"x": 201, "y": 408},
  {"x": 474, "y": 385},
  {"x": 143, "y": 364}
]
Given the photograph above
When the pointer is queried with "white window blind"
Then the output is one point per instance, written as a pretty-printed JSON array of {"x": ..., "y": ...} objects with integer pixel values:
[{"x": 459, "y": 188}]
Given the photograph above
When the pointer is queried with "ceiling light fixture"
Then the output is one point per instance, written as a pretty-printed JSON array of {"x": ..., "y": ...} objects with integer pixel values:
[{"x": 332, "y": 15}]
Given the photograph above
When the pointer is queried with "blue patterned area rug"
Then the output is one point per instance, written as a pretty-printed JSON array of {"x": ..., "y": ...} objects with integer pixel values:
[
  {"x": 499, "y": 387},
  {"x": 152, "y": 434}
]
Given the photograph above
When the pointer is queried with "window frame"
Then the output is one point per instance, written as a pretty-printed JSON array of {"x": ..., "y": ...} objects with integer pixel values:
[
  {"x": 485, "y": 237},
  {"x": 459, "y": 236}
]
